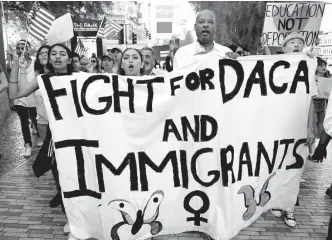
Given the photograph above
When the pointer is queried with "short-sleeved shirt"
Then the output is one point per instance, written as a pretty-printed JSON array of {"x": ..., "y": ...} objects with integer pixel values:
[{"x": 185, "y": 53}]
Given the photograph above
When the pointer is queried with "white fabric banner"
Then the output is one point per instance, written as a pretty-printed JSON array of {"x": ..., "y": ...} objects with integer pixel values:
[
  {"x": 208, "y": 147},
  {"x": 282, "y": 18},
  {"x": 324, "y": 86}
]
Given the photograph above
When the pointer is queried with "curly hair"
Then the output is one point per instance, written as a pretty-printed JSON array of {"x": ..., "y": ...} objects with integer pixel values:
[{"x": 38, "y": 67}]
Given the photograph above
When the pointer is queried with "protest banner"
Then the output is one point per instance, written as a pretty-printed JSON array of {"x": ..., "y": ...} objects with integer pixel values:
[
  {"x": 208, "y": 147},
  {"x": 324, "y": 86},
  {"x": 282, "y": 18}
]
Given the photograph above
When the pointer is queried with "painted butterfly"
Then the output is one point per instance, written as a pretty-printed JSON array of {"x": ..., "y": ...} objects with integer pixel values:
[
  {"x": 249, "y": 198},
  {"x": 137, "y": 219}
]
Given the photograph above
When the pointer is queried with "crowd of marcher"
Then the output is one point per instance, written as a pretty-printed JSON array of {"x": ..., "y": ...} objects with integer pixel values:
[{"x": 59, "y": 59}]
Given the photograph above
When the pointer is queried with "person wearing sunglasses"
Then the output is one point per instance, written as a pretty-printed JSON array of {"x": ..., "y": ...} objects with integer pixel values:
[{"x": 94, "y": 65}]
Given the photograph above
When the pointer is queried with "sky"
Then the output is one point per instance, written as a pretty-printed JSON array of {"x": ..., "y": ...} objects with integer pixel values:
[{"x": 326, "y": 24}]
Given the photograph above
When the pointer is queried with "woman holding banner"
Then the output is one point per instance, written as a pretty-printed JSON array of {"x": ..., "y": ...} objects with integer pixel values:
[
  {"x": 59, "y": 61},
  {"x": 42, "y": 120}
]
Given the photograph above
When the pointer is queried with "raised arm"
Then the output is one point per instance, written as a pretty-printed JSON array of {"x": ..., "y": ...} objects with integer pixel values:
[{"x": 25, "y": 88}]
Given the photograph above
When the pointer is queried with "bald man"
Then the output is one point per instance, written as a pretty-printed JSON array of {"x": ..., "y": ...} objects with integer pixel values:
[{"x": 205, "y": 28}]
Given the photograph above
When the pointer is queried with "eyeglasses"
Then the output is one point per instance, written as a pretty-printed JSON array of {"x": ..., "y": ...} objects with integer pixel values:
[{"x": 43, "y": 53}]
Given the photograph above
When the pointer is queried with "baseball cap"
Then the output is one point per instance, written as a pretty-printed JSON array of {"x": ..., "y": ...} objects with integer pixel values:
[
  {"x": 106, "y": 56},
  {"x": 115, "y": 49}
]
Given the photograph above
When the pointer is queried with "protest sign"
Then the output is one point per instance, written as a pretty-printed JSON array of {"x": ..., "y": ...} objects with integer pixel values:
[
  {"x": 208, "y": 147},
  {"x": 324, "y": 86},
  {"x": 282, "y": 18}
]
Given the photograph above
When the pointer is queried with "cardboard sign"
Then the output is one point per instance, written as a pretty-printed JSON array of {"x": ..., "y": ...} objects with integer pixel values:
[
  {"x": 208, "y": 147},
  {"x": 324, "y": 86},
  {"x": 282, "y": 18}
]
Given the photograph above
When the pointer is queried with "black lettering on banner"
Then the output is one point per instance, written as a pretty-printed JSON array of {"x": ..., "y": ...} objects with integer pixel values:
[
  {"x": 205, "y": 76},
  {"x": 286, "y": 142},
  {"x": 150, "y": 90},
  {"x": 197, "y": 219},
  {"x": 240, "y": 77},
  {"x": 144, "y": 160},
  {"x": 262, "y": 151},
  {"x": 107, "y": 100},
  {"x": 184, "y": 168},
  {"x": 78, "y": 144},
  {"x": 274, "y": 88},
  {"x": 214, "y": 128},
  {"x": 302, "y": 68},
  {"x": 173, "y": 86},
  {"x": 75, "y": 97},
  {"x": 214, "y": 173},
  {"x": 170, "y": 127},
  {"x": 299, "y": 161},
  {"x": 129, "y": 160},
  {"x": 227, "y": 166},
  {"x": 52, "y": 95},
  {"x": 288, "y": 24},
  {"x": 258, "y": 69},
  {"x": 117, "y": 94},
  {"x": 245, "y": 152},
  {"x": 192, "y": 81},
  {"x": 268, "y": 10},
  {"x": 186, "y": 127}
]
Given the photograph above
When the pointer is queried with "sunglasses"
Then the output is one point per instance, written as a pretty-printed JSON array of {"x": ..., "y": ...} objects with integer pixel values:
[
  {"x": 93, "y": 61},
  {"x": 239, "y": 52},
  {"x": 20, "y": 48}
]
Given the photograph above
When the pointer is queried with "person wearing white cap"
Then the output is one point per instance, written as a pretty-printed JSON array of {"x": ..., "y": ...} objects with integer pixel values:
[{"x": 295, "y": 43}]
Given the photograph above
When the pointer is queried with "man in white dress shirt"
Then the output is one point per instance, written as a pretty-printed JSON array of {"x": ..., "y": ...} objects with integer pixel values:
[{"x": 205, "y": 28}]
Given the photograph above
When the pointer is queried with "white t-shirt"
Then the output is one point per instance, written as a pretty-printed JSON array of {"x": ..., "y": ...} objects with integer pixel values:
[
  {"x": 30, "y": 100},
  {"x": 185, "y": 53}
]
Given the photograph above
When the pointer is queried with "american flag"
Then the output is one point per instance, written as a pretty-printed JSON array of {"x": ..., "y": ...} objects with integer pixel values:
[
  {"x": 106, "y": 27},
  {"x": 39, "y": 21},
  {"x": 80, "y": 48}
]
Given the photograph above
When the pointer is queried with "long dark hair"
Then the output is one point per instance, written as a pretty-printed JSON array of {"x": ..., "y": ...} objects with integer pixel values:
[
  {"x": 97, "y": 66},
  {"x": 70, "y": 67},
  {"x": 38, "y": 66},
  {"x": 321, "y": 61},
  {"x": 121, "y": 71}
]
